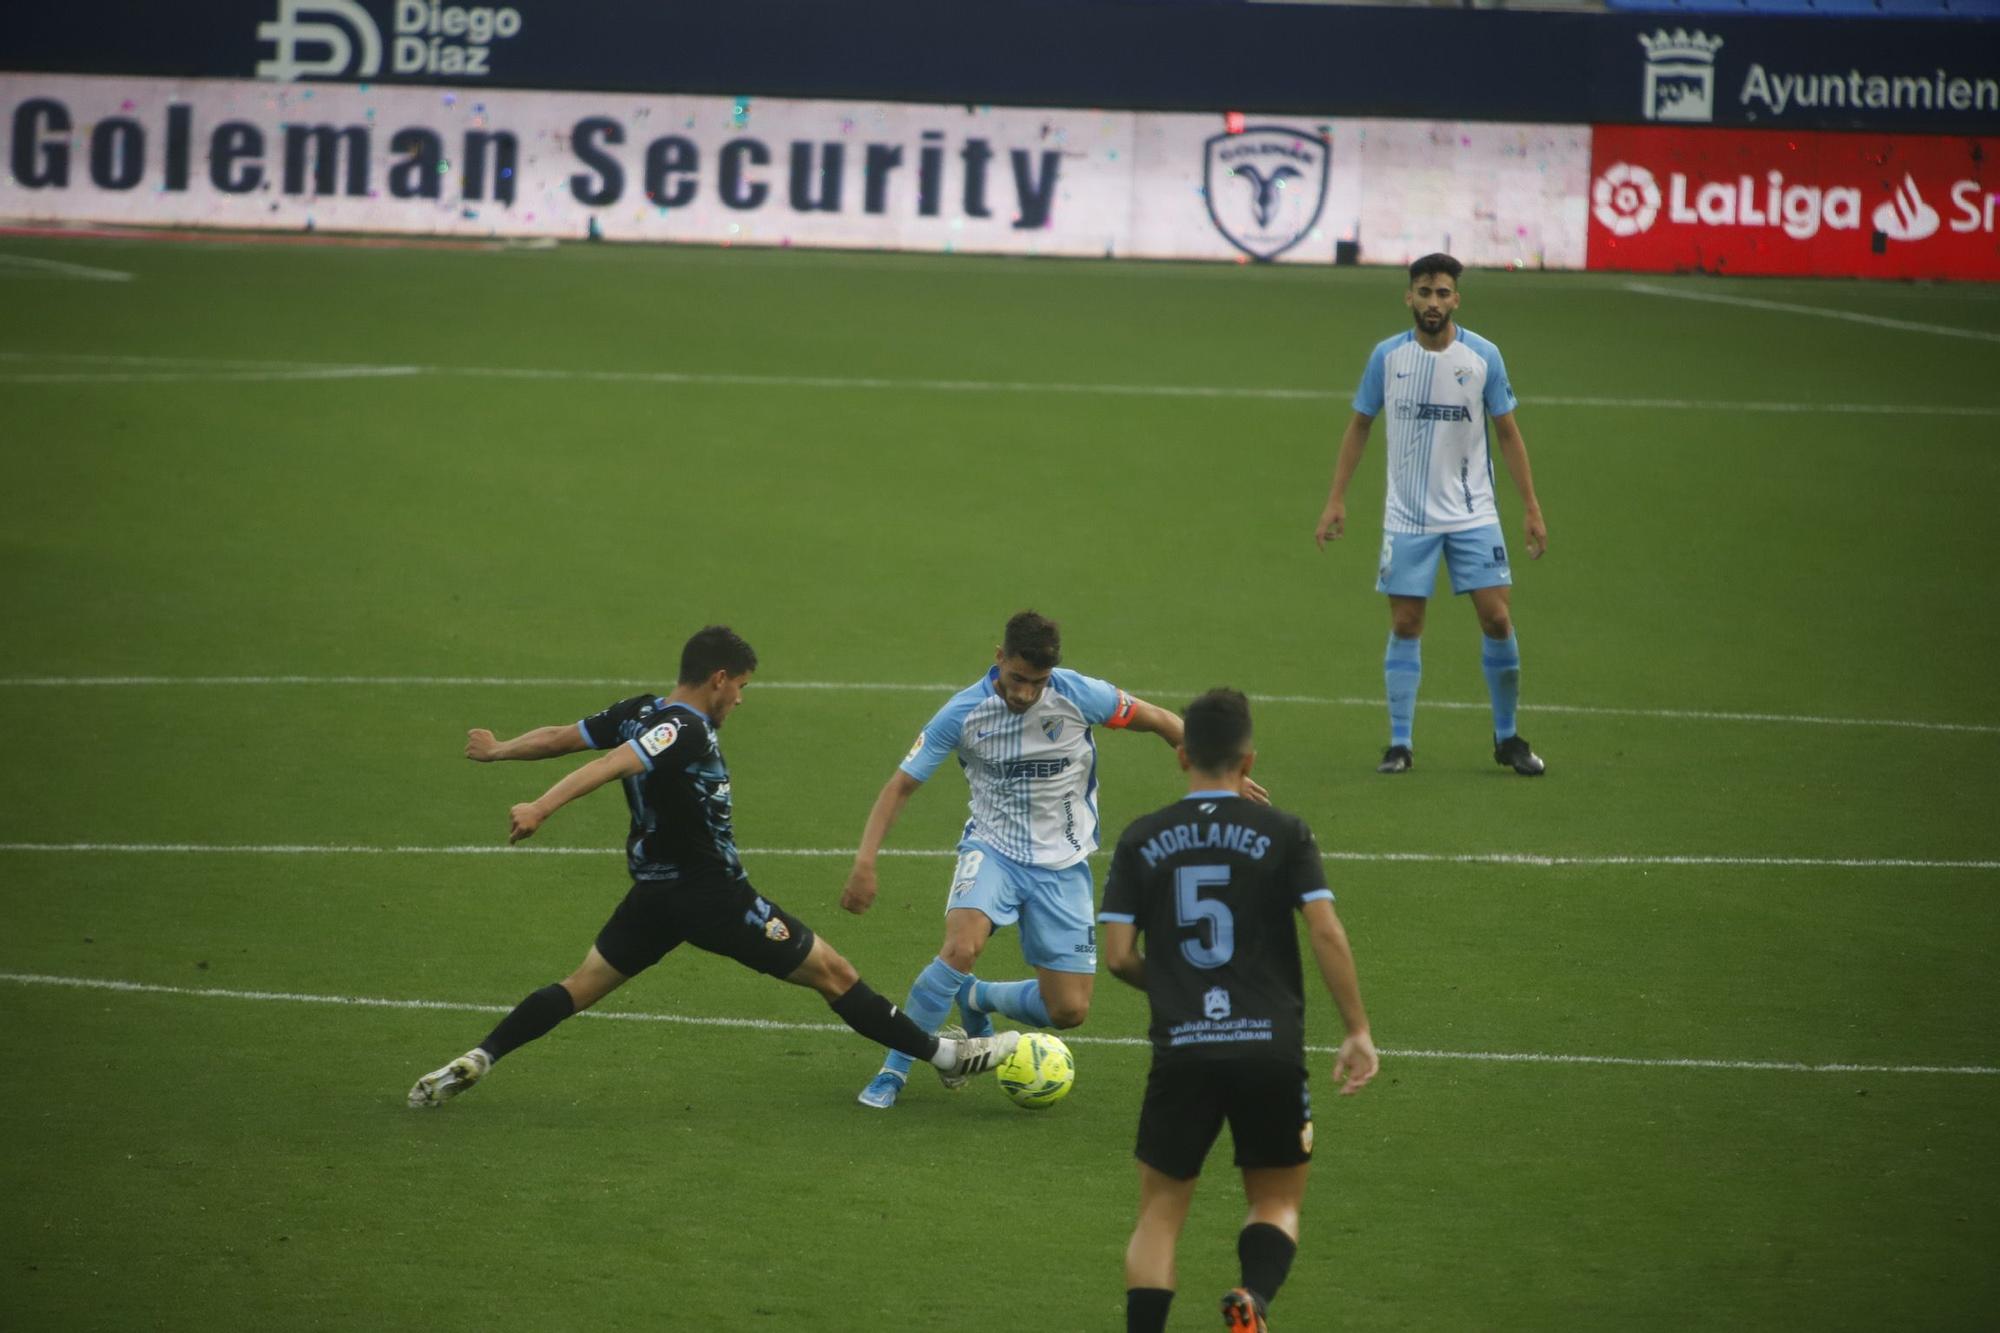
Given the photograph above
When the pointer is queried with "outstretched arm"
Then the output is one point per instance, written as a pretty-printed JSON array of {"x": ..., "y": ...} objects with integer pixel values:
[
  {"x": 542, "y": 743},
  {"x": 1161, "y": 722},
  {"x": 525, "y": 818},
  {"x": 859, "y": 894},
  {"x": 1515, "y": 450},
  {"x": 1353, "y": 441},
  {"x": 1166, "y": 724},
  {"x": 1357, "y": 1061}
]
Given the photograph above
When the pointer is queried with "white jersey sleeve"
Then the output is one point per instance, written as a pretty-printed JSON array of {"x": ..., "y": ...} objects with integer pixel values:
[
  {"x": 1099, "y": 701},
  {"x": 1368, "y": 397},
  {"x": 938, "y": 741}
]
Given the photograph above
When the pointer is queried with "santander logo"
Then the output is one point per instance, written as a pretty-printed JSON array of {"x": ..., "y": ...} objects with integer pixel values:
[{"x": 1905, "y": 216}]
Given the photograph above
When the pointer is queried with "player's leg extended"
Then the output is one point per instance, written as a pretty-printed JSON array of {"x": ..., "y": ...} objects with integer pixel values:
[
  {"x": 1149, "y": 1255},
  {"x": 535, "y": 1016},
  {"x": 868, "y": 1012},
  {"x": 966, "y": 930}
]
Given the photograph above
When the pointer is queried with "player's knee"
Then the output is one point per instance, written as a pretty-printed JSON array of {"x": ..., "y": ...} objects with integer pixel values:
[
  {"x": 960, "y": 955},
  {"x": 837, "y": 975},
  {"x": 825, "y": 971},
  {"x": 1066, "y": 1013}
]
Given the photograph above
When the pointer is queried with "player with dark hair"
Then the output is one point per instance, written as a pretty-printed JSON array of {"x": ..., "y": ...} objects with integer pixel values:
[
  {"x": 688, "y": 885},
  {"x": 1441, "y": 385},
  {"x": 1024, "y": 736},
  {"x": 1211, "y": 882}
]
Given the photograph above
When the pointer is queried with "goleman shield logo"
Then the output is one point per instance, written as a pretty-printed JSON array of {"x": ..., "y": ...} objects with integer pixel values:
[{"x": 1266, "y": 186}]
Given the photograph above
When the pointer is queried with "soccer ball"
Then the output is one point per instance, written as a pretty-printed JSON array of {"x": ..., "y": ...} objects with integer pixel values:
[{"x": 1039, "y": 1073}]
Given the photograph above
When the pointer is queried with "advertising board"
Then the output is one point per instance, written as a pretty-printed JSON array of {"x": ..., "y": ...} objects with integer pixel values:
[{"x": 1762, "y": 202}]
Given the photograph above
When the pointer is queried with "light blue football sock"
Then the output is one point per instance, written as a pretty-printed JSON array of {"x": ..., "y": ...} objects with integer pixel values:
[
  {"x": 1402, "y": 668},
  {"x": 1502, "y": 660},
  {"x": 1019, "y": 1000},
  {"x": 930, "y": 1001}
]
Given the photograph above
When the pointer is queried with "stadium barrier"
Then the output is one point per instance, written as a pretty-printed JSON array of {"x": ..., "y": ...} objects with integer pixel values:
[
  {"x": 1722, "y": 143},
  {"x": 774, "y": 172},
  {"x": 996, "y": 180}
]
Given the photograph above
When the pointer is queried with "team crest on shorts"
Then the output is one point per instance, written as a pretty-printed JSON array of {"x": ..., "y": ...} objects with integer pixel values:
[
  {"x": 775, "y": 929},
  {"x": 1306, "y": 1138}
]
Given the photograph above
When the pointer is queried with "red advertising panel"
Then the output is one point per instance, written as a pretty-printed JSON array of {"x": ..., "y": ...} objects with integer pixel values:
[{"x": 1762, "y": 201}]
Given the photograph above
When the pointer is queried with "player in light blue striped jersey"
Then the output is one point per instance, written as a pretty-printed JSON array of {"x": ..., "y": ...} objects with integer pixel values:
[
  {"x": 1024, "y": 736},
  {"x": 1441, "y": 385}
]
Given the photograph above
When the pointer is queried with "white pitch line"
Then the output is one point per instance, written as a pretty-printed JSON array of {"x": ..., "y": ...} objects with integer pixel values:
[
  {"x": 219, "y": 377},
  {"x": 182, "y": 369},
  {"x": 772, "y": 1025},
  {"x": 57, "y": 268},
  {"x": 1534, "y": 859},
  {"x": 1822, "y": 312},
  {"x": 941, "y": 687}
]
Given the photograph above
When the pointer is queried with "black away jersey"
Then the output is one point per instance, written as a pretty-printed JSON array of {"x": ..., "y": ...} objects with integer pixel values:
[
  {"x": 680, "y": 805},
  {"x": 1212, "y": 883}
]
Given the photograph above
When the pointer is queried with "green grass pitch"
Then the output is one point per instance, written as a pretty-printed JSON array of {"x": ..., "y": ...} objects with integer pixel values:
[{"x": 865, "y": 464}]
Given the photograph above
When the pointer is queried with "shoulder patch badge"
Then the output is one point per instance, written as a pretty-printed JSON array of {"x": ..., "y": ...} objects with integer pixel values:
[
  {"x": 916, "y": 749},
  {"x": 660, "y": 738}
]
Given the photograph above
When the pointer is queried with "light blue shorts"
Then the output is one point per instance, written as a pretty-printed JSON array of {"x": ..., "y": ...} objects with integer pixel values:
[
  {"x": 1053, "y": 907},
  {"x": 1477, "y": 558}
]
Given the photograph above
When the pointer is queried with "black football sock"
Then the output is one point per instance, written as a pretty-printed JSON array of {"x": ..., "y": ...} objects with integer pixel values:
[
  {"x": 1146, "y": 1309},
  {"x": 1266, "y": 1252},
  {"x": 532, "y": 1018},
  {"x": 883, "y": 1023}
]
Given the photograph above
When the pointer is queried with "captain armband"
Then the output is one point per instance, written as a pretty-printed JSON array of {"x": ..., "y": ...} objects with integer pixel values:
[{"x": 1122, "y": 714}]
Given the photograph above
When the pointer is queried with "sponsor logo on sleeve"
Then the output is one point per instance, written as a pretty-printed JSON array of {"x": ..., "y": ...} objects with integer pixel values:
[{"x": 657, "y": 741}]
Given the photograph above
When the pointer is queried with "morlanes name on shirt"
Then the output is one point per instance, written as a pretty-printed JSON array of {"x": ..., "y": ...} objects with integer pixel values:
[{"x": 1195, "y": 837}]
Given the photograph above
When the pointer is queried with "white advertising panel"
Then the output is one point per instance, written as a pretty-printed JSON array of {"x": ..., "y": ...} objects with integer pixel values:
[{"x": 753, "y": 171}]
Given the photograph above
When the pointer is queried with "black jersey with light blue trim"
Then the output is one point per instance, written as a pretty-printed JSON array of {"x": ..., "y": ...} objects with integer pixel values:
[
  {"x": 681, "y": 826},
  {"x": 1213, "y": 883}
]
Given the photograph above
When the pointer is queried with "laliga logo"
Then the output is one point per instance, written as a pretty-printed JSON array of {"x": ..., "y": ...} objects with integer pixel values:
[
  {"x": 1625, "y": 199},
  {"x": 1905, "y": 216},
  {"x": 288, "y": 33}
]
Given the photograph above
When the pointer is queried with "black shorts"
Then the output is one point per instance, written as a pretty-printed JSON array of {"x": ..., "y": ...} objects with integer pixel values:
[
  {"x": 723, "y": 916},
  {"x": 1268, "y": 1105}
]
